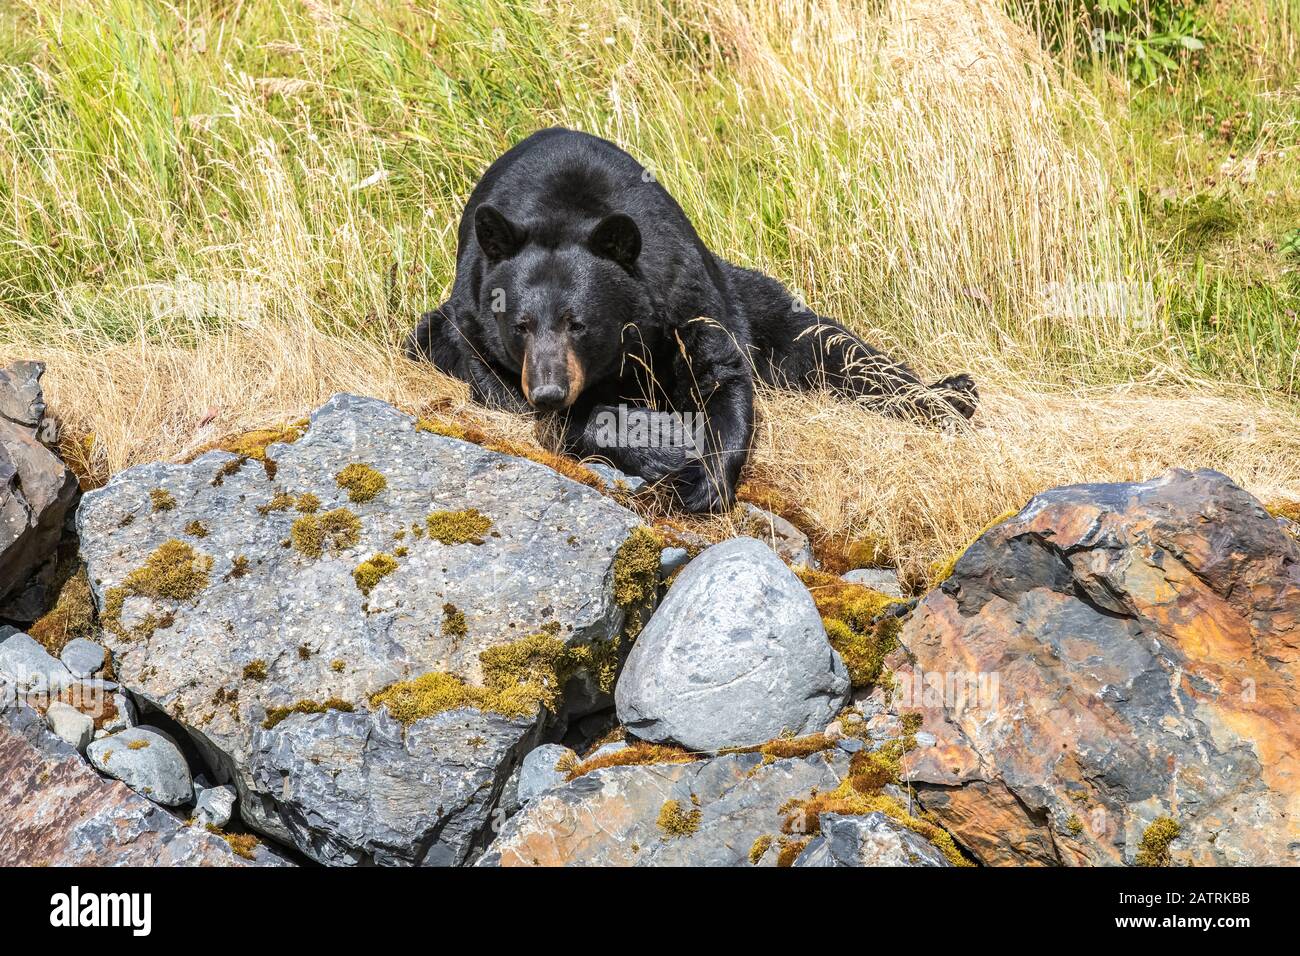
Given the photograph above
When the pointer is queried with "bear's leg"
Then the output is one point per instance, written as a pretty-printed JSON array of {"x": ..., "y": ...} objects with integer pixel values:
[
  {"x": 796, "y": 348},
  {"x": 699, "y": 450}
]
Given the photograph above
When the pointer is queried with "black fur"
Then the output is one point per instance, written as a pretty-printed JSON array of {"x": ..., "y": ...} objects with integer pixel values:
[{"x": 573, "y": 260}]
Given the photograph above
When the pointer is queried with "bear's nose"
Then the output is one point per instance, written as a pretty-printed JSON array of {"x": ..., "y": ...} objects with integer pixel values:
[{"x": 548, "y": 398}]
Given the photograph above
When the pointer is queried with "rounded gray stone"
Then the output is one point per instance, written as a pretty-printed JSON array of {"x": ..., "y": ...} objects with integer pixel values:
[
  {"x": 147, "y": 761},
  {"x": 28, "y": 665},
  {"x": 884, "y": 580},
  {"x": 537, "y": 773},
  {"x": 736, "y": 655},
  {"x": 70, "y": 725},
  {"x": 215, "y": 806},
  {"x": 82, "y": 657}
]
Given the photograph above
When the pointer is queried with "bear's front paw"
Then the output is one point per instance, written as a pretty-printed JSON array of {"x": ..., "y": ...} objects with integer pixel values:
[
  {"x": 959, "y": 392},
  {"x": 702, "y": 493}
]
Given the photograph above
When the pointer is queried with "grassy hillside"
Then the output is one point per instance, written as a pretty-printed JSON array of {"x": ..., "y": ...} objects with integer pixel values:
[{"x": 218, "y": 213}]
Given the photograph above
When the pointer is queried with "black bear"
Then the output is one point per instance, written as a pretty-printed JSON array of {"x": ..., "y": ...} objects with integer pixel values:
[{"x": 582, "y": 288}]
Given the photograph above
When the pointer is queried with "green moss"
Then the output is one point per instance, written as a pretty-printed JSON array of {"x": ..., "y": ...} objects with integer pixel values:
[
  {"x": 857, "y": 623},
  {"x": 675, "y": 821},
  {"x": 868, "y": 551},
  {"x": 307, "y": 503},
  {"x": 255, "y": 670},
  {"x": 636, "y": 568},
  {"x": 517, "y": 678},
  {"x": 362, "y": 482},
  {"x": 73, "y": 615},
  {"x": 336, "y": 530},
  {"x": 1153, "y": 850},
  {"x": 337, "y": 665},
  {"x": 280, "y": 501},
  {"x": 401, "y": 552},
  {"x": 759, "y": 848},
  {"x": 638, "y": 754},
  {"x": 458, "y": 527},
  {"x": 173, "y": 570},
  {"x": 432, "y": 693},
  {"x": 196, "y": 529},
  {"x": 1074, "y": 825},
  {"x": 162, "y": 499},
  {"x": 444, "y": 427},
  {"x": 242, "y": 844},
  {"x": 370, "y": 571},
  {"x": 239, "y": 566},
  {"x": 276, "y": 714},
  {"x": 453, "y": 622},
  {"x": 140, "y": 743}
]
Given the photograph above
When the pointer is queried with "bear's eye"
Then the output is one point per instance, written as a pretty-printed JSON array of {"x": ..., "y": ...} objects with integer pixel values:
[{"x": 523, "y": 323}]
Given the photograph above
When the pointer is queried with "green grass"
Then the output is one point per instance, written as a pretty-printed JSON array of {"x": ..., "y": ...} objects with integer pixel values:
[{"x": 321, "y": 152}]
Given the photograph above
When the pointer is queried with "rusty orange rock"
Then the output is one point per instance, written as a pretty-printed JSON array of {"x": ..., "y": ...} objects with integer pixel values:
[{"x": 1111, "y": 655}]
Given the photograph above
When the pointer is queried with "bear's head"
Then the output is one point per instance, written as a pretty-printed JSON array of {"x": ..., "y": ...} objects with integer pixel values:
[{"x": 559, "y": 300}]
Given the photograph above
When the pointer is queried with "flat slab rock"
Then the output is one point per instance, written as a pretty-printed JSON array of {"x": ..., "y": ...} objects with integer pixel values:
[
  {"x": 610, "y": 817},
  {"x": 56, "y": 811},
  {"x": 1112, "y": 655},
  {"x": 547, "y": 560}
]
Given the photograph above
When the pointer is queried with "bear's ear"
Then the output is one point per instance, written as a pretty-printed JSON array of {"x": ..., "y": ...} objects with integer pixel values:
[
  {"x": 616, "y": 237},
  {"x": 497, "y": 236}
]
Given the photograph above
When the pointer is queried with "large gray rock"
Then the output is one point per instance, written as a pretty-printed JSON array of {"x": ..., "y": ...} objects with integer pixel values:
[
  {"x": 353, "y": 788},
  {"x": 736, "y": 655},
  {"x": 28, "y": 665},
  {"x": 271, "y": 627},
  {"x": 148, "y": 762},
  {"x": 56, "y": 811},
  {"x": 36, "y": 491},
  {"x": 871, "y": 840}
]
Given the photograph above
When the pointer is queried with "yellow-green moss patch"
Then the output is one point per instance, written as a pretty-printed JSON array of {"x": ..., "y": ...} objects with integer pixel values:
[
  {"x": 196, "y": 529},
  {"x": 635, "y": 755},
  {"x": 370, "y": 571},
  {"x": 458, "y": 527},
  {"x": 453, "y": 622},
  {"x": 307, "y": 503},
  {"x": 255, "y": 670},
  {"x": 276, "y": 714},
  {"x": 676, "y": 821},
  {"x": 73, "y": 615},
  {"x": 280, "y": 501},
  {"x": 140, "y": 743},
  {"x": 172, "y": 571},
  {"x": 337, "y": 665},
  {"x": 517, "y": 678},
  {"x": 636, "y": 568},
  {"x": 336, "y": 530},
  {"x": 362, "y": 482},
  {"x": 856, "y": 622},
  {"x": 759, "y": 847},
  {"x": 163, "y": 500},
  {"x": 1153, "y": 850},
  {"x": 242, "y": 844}
]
